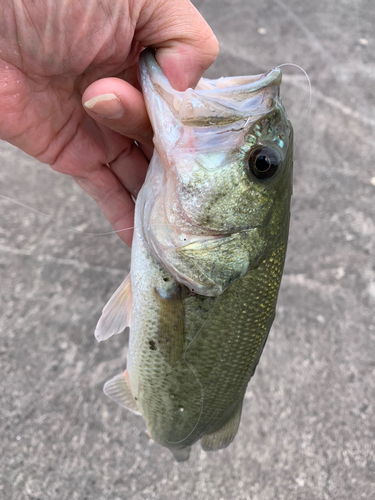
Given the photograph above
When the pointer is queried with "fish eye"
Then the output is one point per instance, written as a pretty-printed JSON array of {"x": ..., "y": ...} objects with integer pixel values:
[{"x": 264, "y": 162}]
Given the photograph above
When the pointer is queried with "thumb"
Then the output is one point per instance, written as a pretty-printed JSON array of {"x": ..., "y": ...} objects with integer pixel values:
[{"x": 185, "y": 44}]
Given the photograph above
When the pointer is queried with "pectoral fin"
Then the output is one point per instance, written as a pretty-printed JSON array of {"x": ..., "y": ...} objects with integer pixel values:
[
  {"x": 116, "y": 314},
  {"x": 224, "y": 436},
  {"x": 118, "y": 389},
  {"x": 170, "y": 340}
]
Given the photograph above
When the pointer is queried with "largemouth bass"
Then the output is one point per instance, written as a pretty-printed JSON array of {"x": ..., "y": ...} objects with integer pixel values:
[{"x": 211, "y": 230}]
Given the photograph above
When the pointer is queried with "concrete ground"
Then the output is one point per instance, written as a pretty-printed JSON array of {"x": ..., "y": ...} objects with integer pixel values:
[{"x": 308, "y": 424}]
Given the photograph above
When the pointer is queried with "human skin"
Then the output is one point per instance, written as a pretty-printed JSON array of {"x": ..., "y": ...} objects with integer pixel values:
[{"x": 69, "y": 94}]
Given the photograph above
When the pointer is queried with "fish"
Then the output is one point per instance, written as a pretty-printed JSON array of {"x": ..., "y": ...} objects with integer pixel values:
[{"x": 209, "y": 246}]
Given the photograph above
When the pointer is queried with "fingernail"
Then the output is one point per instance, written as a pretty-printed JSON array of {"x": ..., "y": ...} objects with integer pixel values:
[{"x": 106, "y": 105}]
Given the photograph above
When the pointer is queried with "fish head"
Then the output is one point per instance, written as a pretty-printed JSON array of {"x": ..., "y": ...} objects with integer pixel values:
[{"x": 220, "y": 181}]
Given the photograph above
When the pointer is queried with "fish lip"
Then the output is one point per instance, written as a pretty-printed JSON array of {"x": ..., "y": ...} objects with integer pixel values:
[{"x": 148, "y": 63}]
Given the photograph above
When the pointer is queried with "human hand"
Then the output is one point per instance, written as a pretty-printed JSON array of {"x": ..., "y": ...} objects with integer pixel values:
[{"x": 56, "y": 55}]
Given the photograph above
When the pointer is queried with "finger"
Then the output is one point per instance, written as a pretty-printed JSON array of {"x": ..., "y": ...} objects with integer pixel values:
[
  {"x": 120, "y": 106},
  {"x": 186, "y": 45},
  {"x": 130, "y": 167}
]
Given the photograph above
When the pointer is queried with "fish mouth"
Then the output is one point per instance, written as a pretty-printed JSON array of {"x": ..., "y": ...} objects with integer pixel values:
[
  {"x": 213, "y": 102},
  {"x": 204, "y": 252}
]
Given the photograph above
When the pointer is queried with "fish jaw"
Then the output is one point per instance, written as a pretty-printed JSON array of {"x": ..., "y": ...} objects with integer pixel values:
[{"x": 203, "y": 197}]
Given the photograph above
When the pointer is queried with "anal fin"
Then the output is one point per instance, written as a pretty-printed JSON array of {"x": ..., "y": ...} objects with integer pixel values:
[
  {"x": 224, "y": 436},
  {"x": 116, "y": 313},
  {"x": 118, "y": 389}
]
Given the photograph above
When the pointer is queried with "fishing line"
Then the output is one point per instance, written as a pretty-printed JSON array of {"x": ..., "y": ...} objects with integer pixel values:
[
  {"x": 67, "y": 228},
  {"x": 196, "y": 376},
  {"x": 310, "y": 89},
  {"x": 72, "y": 229},
  {"x": 217, "y": 368}
]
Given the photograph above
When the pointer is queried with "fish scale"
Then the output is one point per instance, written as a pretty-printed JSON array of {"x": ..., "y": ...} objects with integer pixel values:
[
  {"x": 217, "y": 363},
  {"x": 210, "y": 238},
  {"x": 242, "y": 335}
]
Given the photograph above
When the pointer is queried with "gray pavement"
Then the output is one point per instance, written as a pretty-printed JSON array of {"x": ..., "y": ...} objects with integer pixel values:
[{"x": 308, "y": 424}]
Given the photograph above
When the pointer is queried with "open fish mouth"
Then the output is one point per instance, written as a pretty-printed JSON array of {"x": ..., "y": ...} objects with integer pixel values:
[
  {"x": 202, "y": 208},
  {"x": 213, "y": 102}
]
